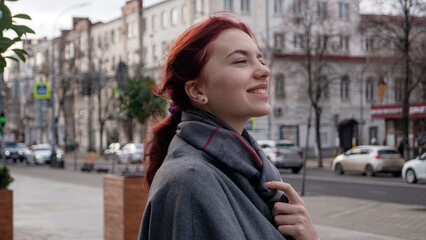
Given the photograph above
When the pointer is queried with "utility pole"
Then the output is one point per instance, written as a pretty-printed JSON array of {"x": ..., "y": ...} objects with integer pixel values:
[
  {"x": 3, "y": 160},
  {"x": 269, "y": 54}
]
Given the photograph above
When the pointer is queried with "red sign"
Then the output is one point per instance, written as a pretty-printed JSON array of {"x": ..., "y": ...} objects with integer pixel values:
[{"x": 416, "y": 110}]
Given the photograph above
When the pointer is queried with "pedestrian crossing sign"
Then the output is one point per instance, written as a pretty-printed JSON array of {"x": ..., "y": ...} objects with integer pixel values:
[{"x": 41, "y": 90}]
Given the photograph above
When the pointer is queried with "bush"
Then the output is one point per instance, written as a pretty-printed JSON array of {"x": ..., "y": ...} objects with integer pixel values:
[{"x": 5, "y": 178}]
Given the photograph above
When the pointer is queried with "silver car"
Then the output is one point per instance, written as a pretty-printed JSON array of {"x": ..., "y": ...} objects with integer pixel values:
[
  {"x": 369, "y": 160},
  {"x": 42, "y": 153},
  {"x": 131, "y": 152},
  {"x": 283, "y": 154}
]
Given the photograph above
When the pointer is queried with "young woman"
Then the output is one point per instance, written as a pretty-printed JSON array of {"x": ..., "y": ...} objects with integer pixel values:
[{"x": 208, "y": 177}]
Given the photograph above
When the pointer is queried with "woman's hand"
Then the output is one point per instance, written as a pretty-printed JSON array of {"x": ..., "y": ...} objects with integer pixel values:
[{"x": 292, "y": 218}]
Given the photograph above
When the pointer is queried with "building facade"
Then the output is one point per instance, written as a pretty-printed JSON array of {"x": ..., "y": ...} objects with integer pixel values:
[{"x": 89, "y": 55}]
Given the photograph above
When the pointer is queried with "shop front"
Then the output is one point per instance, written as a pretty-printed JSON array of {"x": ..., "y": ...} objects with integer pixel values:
[{"x": 392, "y": 114}]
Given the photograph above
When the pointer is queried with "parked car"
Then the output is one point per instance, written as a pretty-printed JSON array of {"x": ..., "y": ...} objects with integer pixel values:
[
  {"x": 283, "y": 154},
  {"x": 42, "y": 153},
  {"x": 112, "y": 150},
  {"x": 415, "y": 169},
  {"x": 10, "y": 150},
  {"x": 369, "y": 160},
  {"x": 132, "y": 152},
  {"x": 22, "y": 148}
]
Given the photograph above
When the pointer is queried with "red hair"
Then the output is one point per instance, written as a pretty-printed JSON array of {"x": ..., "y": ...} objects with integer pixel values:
[{"x": 188, "y": 55}]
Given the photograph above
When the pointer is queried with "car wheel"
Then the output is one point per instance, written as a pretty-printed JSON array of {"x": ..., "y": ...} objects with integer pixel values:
[
  {"x": 410, "y": 176},
  {"x": 338, "y": 169},
  {"x": 369, "y": 171},
  {"x": 14, "y": 160},
  {"x": 296, "y": 170}
]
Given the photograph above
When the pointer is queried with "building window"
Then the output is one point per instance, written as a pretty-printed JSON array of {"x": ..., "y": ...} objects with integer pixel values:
[
  {"x": 228, "y": 5},
  {"x": 367, "y": 43},
  {"x": 245, "y": 6},
  {"x": 344, "y": 11},
  {"x": 280, "y": 85},
  {"x": 153, "y": 22},
  {"x": 164, "y": 47},
  {"x": 278, "y": 6},
  {"x": 369, "y": 89},
  {"x": 279, "y": 41},
  {"x": 344, "y": 87},
  {"x": 323, "y": 81},
  {"x": 322, "y": 10},
  {"x": 298, "y": 8},
  {"x": 143, "y": 25},
  {"x": 183, "y": 13},
  {"x": 174, "y": 16},
  {"x": 198, "y": 7},
  {"x": 112, "y": 36},
  {"x": 154, "y": 53},
  {"x": 372, "y": 135},
  {"x": 299, "y": 41},
  {"x": 322, "y": 42},
  {"x": 131, "y": 29},
  {"x": 344, "y": 43},
  {"x": 163, "y": 19},
  {"x": 398, "y": 89}
]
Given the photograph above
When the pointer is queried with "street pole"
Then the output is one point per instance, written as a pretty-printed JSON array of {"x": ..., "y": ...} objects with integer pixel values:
[
  {"x": 53, "y": 85},
  {"x": 268, "y": 51},
  {"x": 3, "y": 157}
]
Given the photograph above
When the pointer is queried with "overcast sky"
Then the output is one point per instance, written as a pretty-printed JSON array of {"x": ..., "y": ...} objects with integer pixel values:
[{"x": 45, "y": 12}]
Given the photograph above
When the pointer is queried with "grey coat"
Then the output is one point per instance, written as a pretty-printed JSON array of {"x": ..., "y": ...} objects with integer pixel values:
[{"x": 195, "y": 197}]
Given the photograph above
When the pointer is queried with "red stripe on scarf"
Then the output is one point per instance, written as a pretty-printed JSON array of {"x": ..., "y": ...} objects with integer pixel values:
[
  {"x": 249, "y": 148},
  {"x": 210, "y": 138}
]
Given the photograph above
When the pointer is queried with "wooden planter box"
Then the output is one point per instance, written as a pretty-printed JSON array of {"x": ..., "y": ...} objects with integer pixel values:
[
  {"x": 6, "y": 214},
  {"x": 124, "y": 203}
]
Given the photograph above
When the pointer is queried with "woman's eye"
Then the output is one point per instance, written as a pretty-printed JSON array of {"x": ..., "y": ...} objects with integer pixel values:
[{"x": 240, "y": 61}]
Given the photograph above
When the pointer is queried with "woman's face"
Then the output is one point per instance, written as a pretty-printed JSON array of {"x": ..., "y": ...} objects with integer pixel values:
[{"x": 237, "y": 79}]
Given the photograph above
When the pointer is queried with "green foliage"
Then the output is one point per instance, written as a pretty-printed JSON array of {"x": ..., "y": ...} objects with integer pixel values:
[
  {"x": 5, "y": 178},
  {"x": 138, "y": 101},
  {"x": 7, "y": 22}
]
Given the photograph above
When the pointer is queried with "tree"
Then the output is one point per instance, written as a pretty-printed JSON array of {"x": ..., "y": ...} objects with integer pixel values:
[
  {"x": 403, "y": 36},
  {"x": 313, "y": 26},
  {"x": 7, "y": 22},
  {"x": 138, "y": 101}
]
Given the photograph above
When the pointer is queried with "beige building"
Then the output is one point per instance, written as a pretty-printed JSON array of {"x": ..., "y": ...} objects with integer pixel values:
[{"x": 88, "y": 56}]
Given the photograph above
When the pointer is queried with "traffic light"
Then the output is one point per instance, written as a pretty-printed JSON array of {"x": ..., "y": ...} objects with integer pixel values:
[{"x": 2, "y": 119}]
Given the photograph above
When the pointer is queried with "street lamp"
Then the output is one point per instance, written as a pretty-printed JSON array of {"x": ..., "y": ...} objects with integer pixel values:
[{"x": 53, "y": 87}]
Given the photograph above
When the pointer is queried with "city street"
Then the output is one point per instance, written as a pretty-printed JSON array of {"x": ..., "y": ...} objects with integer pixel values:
[
  {"x": 383, "y": 187},
  {"x": 51, "y": 203}
]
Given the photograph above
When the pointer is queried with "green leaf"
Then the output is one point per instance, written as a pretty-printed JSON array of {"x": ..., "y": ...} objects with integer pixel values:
[
  {"x": 20, "y": 53},
  {"x": 3, "y": 64},
  {"x": 5, "y": 43},
  {"x": 22, "y": 16},
  {"x": 21, "y": 30},
  {"x": 13, "y": 58},
  {"x": 12, "y": 0}
]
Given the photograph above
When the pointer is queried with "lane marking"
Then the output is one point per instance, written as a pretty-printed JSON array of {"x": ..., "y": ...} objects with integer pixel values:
[{"x": 344, "y": 180}]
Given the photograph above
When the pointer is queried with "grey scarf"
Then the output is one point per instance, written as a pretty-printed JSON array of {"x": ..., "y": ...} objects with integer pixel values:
[{"x": 240, "y": 153}]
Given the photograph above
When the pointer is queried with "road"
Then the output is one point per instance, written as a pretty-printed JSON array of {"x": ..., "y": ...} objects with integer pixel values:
[{"x": 382, "y": 187}]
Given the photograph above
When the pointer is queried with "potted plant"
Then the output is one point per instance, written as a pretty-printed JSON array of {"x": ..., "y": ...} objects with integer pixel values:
[{"x": 6, "y": 204}]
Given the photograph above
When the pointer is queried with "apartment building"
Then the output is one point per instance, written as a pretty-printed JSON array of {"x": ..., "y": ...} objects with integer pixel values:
[{"x": 89, "y": 55}]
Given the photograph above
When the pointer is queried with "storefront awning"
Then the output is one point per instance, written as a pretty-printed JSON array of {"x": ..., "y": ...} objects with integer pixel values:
[{"x": 416, "y": 110}]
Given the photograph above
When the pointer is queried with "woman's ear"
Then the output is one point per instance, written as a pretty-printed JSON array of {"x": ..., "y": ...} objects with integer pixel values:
[{"x": 195, "y": 91}]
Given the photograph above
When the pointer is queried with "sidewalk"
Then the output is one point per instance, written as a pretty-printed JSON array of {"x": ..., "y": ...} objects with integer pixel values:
[{"x": 72, "y": 208}]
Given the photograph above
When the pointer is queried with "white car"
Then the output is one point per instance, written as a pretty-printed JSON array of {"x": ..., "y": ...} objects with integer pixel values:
[
  {"x": 283, "y": 154},
  {"x": 132, "y": 152},
  {"x": 369, "y": 160},
  {"x": 415, "y": 169},
  {"x": 42, "y": 153}
]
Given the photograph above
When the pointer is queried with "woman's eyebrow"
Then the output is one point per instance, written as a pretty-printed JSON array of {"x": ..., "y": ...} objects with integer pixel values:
[{"x": 243, "y": 52}]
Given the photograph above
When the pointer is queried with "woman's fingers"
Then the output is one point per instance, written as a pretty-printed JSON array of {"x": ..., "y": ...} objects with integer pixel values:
[
  {"x": 285, "y": 208},
  {"x": 292, "y": 195}
]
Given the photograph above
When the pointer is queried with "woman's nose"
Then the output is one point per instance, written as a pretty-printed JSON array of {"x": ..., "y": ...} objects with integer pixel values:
[{"x": 262, "y": 71}]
